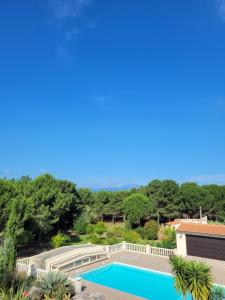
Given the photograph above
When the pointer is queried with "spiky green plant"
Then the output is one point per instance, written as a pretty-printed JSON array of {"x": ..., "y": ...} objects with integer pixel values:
[
  {"x": 217, "y": 293},
  {"x": 179, "y": 267},
  {"x": 199, "y": 280},
  {"x": 55, "y": 285}
]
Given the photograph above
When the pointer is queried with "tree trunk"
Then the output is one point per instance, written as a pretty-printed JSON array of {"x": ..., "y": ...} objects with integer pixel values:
[
  {"x": 158, "y": 218},
  {"x": 39, "y": 238}
]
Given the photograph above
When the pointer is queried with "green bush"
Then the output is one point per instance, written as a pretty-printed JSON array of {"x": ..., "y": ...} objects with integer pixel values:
[
  {"x": 217, "y": 293},
  {"x": 111, "y": 240},
  {"x": 100, "y": 228},
  {"x": 141, "y": 232},
  {"x": 128, "y": 225},
  {"x": 151, "y": 230},
  {"x": 95, "y": 239},
  {"x": 118, "y": 231},
  {"x": 55, "y": 285},
  {"x": 25, "y": 238},
  {"x": 90, "y": 229},
  {"x": 80, "y": 225},
  {"x": 169, "y": 238},
  {"x": 59, "y": 240},
  {"x": 131, "y": 236}
]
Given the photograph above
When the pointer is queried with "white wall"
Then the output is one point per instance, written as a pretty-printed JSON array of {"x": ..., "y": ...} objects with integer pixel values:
[{"x": 181, "y": 244}]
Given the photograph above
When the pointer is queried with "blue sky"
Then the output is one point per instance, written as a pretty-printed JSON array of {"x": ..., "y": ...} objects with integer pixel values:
[{"x": 113, "y": 92}]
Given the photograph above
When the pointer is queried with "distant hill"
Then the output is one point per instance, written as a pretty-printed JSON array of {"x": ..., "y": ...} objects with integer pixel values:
[{"x": 124, "y": 187}]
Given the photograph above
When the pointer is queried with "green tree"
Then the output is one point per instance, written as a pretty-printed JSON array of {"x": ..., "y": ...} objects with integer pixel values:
[
  {"x": 190, "y": 199},
  {"x": 8, "y": 192},
  {"x": 137, "y": 207},
  {"x": 101, "y": 204},
  {"x": 55, "y": 204},
  {"x": 20, "y": 212},
  {"x": 80, "y": 224}
]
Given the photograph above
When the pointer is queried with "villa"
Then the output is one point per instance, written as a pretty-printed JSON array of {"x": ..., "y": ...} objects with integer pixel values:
[{"x": 125, "y": 271}]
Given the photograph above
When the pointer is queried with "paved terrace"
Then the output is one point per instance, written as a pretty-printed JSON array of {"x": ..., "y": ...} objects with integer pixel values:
[{"x": 140, "y": 260}]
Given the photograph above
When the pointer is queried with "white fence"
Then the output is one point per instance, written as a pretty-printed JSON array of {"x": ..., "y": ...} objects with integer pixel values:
[
  {"x": 161, "y": 251},
  {"x": 147, "y": 249},
  {"x": 22, "y": 268},
  {"x": 28, "y": 266},
  {"x": 23, "y": 261},
  {"x": 136, "y": 248},
  {"x": 117, "y": 247},
  {"x": 40, "y": 273}
]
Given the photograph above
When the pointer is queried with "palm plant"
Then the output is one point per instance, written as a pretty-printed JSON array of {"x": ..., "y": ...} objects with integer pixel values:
[
  {"x": 55, "y": 285},
  {"x": 179, "y": 267},
  {"x": 217, "y": 293},
  {"x": 199, "y": 280}
]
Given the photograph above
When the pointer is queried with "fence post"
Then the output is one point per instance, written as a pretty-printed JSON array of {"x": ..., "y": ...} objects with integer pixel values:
[
  {"x": 124, "y": 245},
  {"x": 107, "y": 249},
  {"x": 31, "y": 270},
  {"x": 78, "y": 284},
  {"x": 147, "y": 249}
]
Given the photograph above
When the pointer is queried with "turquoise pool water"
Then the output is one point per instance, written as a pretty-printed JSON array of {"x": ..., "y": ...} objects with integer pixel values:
[{"x": 136, "y": 281}]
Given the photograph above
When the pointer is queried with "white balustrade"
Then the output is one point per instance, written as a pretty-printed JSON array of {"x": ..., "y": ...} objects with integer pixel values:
[
  {"x": 136, "y": 248},
  {"x": 40, "y": 273},
  {"x": 156, "y": 251},
  {"x": 28, "y": 266},
  {"x": 116, "y": 248},
  {"x": 161, "y": 251},
  {"x": 23, "y": 261},
  {"x": 22, "y": 268}
]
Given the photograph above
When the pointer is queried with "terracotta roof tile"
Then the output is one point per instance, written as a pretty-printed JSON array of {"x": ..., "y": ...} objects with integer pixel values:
[{"x": 208, "y": 229}]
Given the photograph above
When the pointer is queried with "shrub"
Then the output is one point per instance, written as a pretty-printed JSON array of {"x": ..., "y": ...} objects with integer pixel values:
[
  {"x": 55, "y": 285},
  {"x": 128, "y": 225},
  {"x": 141, "y": 232},
  {"x": 131, "y": 236},
  {"x": 7, "y": 263},
  {"x": 90, "y": 229},
  {"x": 25, "y": 238},
  {"x": 111, "y": 241},
  {"x": 59, "y": 240},
  {"x": 118, "y": 231},
  {"x": 217, "y": 293},
  {"x": 169, "y": 238},
  {"x": 95, "y": 239},
  {"x": 80, "y": 225},
  {"x": 100, "y": 228},
  {"x": 151, "y": 230}
]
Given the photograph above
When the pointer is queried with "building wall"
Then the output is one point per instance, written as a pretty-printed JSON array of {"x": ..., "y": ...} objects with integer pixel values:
[{"x": 181, "y": 244}]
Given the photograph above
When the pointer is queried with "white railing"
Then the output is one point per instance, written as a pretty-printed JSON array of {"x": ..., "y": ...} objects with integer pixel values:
[
  {"x": 22, "y": 268},
  {"x": 147, "y": 249},
  {"x": 136, "y": 248},
  {"x": 40, "y": 273},
  {"x": 116, "y": 248},
  {"x": 160, "y": 251},
  {"x": 29, "y": 266},
  {"x": 23, "y": 261}
]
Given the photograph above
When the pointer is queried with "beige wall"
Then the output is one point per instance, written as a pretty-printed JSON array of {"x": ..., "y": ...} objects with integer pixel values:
[{"x": 181, "y": 244}]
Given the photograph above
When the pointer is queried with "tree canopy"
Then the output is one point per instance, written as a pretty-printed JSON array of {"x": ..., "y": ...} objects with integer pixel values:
[{"x": 37, "y": 209}]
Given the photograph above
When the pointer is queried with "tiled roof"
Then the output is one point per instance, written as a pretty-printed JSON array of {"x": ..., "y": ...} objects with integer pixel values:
[{"x": 207, "y": 229}]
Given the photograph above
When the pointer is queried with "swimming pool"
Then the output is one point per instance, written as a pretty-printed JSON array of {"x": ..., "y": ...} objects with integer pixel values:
[{"x": 136, "y": 281}]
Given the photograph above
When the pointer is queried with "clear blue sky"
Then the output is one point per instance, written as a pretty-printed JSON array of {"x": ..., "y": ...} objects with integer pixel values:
[{"x": 113, "y": 92}]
